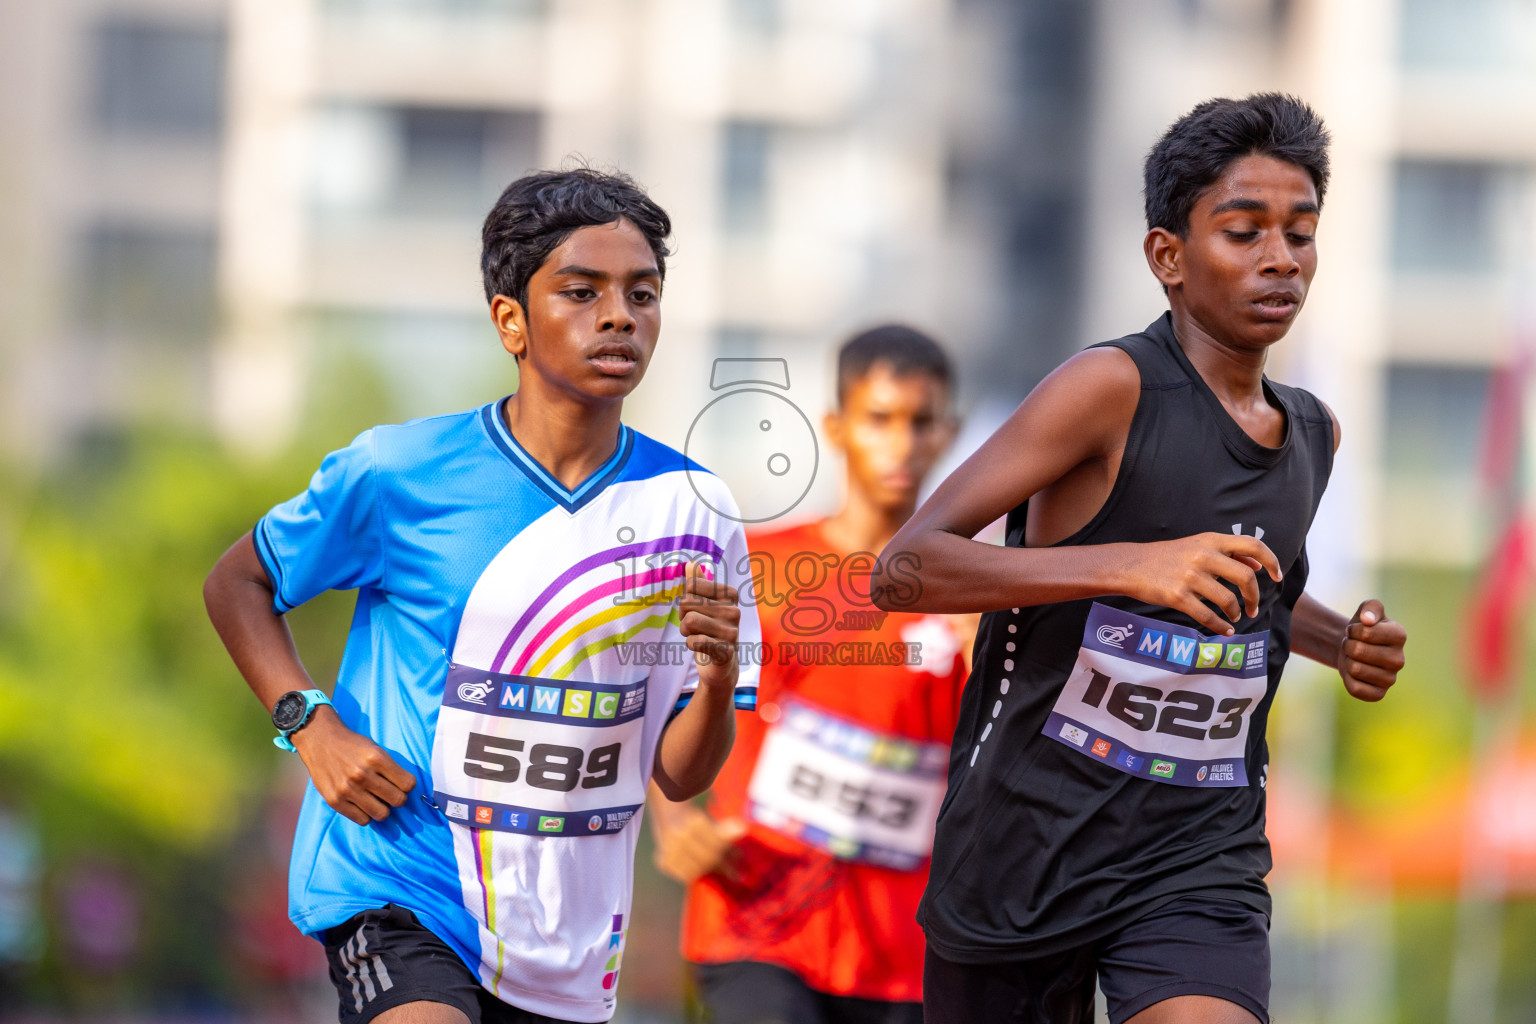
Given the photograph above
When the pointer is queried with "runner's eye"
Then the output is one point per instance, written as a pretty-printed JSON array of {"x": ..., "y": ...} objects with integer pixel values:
[
  {"x": 1301, "y": 239},
  {"x": 578, "y": 294},
  {"x": 1242, "y": 236}
]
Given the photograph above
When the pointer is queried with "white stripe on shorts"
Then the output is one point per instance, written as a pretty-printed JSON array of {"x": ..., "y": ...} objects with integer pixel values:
[
  {"x": 362, "y": 965},
  {"x": 347, "y": 958}
]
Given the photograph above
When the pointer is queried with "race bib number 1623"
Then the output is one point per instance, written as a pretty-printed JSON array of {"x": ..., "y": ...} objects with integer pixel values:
[{"x": 1160, "y": 701}]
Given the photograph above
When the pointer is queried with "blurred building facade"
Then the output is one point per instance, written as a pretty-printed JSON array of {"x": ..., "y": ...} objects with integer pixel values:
[
  {"x": 798, "y": 147},
  {"x": 200, "y": 198},
  {"x": 112, "y": 118}
]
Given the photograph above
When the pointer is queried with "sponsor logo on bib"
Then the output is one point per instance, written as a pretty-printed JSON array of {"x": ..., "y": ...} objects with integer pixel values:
[
  {"x": 1201, "y": 774},
  {"x": 458, "y": 810},
  {"x": 1102, "y": 747},
  {"x": 1115, "y": 636},
  {"x": 595, "y": 822},
  {"x": 1073, "y": 734},
  {"x": 475, "y": 693},
  {"x": 1164, "y": 768},
  {"x": 483, "y": 815},
  {"x": 550, "y": 824}
]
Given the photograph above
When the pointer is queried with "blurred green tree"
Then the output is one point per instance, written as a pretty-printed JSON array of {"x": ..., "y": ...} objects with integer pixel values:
[{"x": 126, "y": 734}]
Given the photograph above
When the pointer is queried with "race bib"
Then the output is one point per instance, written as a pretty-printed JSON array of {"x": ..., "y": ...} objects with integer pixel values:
[
  {"x": 858, "y": 794},
  {"x": 539, "y": 756},
  {"x": 1161, "y": 701}
]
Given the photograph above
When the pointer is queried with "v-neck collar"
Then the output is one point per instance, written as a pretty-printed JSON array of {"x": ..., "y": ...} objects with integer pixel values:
[
  {"x": 570, "y": 500},
  {"x": 1237, "y": 440}
]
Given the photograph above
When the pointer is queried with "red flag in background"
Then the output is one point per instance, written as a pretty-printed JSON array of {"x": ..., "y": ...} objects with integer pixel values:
[{"x": 1496, "y": 610}]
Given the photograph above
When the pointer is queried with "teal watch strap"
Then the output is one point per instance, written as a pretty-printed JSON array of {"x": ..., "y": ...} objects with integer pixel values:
[{"x": 312, "y": 700}]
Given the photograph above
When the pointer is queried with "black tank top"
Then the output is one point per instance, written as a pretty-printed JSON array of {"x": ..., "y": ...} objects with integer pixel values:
[{"x": 1040, "y": 847}]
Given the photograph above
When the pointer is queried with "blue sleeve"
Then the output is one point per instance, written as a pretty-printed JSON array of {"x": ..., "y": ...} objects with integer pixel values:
[{"x": 330, "y": 537}]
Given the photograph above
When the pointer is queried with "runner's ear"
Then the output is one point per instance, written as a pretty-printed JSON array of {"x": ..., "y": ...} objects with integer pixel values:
[
  {"x": 832, "y": 427},
  {"x": 511, "y": 324}
]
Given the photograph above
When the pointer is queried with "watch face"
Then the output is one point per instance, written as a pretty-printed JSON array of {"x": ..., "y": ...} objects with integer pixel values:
[{"x": 288, "y": 712}]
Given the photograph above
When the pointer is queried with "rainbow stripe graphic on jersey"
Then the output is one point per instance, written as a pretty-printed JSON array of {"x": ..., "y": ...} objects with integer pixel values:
[{"x": 613, "y": 597}]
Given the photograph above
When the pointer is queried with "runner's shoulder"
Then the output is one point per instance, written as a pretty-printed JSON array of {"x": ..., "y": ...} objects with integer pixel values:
[
  {"x": 1093, "y": 394},
  {"x": 397, "y": 446},
  {"x": 1107, "y": 369}
]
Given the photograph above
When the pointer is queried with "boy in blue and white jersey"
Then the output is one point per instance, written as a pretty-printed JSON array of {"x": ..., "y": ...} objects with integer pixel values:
[{"x": 466, "y": 848}]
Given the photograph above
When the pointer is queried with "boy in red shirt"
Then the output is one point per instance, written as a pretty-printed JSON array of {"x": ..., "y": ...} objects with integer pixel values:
[{"x": 805, "y": 874}]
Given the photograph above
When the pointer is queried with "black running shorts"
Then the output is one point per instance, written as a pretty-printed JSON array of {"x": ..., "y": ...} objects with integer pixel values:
[
  {"x": 1194, "y": 945},
  {"x": 384, "y": 958}
]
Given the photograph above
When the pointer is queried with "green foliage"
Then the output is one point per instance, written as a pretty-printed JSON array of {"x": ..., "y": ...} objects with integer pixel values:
[
  {"x": 114, "y": 691},
  {"x": 1395, "y": 752},
  {"x": 125, "y": 731}
]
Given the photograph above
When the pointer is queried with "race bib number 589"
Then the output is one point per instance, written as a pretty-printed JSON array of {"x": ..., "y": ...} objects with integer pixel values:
[
  {"x": 540, "y": 756},
  {"x": 1161, "y": 701}
]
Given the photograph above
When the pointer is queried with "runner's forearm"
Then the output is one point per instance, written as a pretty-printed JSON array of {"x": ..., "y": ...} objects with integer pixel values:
[
  {"x": 935, "y": 571},
  {"x": 238, "y": 597},
  {"x": 1317, "y": 631},
  {"x": 696, "y": 743}
]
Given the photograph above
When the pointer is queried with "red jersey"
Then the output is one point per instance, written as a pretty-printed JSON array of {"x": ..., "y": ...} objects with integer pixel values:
[{"x": 839, "y": 775}]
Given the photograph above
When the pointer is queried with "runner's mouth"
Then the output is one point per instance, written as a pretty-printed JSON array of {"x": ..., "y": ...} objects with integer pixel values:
[
  {"x": 1277, "y": 305},
  {"x": 615, "y": 361}
]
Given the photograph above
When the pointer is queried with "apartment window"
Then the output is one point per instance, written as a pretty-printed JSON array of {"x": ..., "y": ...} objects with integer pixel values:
[
  {"x": 1468, "y": 34},
  {"x": 740, "y": 341},
  {"x": 161, "y": 79},
  {"x": 756, "y": 17},
  {"x": 147, "y": 283},
  {"x": 747, "y": 147},
  {"x": 1435, "y": 420},
  {"x": 1447, "y": 216},
  {"x": 433, "y": 162}
]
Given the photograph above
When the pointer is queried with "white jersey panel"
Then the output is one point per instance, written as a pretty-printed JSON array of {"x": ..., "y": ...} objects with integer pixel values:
[{"x": 539, "y": 727}]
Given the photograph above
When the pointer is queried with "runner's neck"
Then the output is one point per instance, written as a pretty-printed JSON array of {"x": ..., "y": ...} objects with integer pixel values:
[
  {"x": 1234, "y": 374},
  {"x": 569, "y": 439}
]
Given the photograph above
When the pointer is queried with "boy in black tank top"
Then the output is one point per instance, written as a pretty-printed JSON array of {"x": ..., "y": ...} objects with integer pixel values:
[{"x": 1105, "y": 812}]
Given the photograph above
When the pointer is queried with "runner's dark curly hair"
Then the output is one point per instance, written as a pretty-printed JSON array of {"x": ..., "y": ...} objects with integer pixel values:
[
  {"x": 1199, "y": 147},
  {"x": 538, "y": 212},
  {"x": 903, "y": 350}
]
